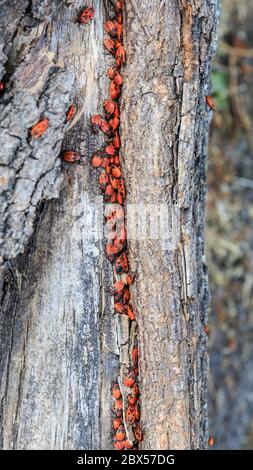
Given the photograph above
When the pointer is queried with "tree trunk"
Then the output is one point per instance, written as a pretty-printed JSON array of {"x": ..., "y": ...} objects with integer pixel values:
[{"x": 61, "y": 343}]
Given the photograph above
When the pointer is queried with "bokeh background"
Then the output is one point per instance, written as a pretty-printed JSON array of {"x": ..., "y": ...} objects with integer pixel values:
[{"x": 230, "y": 231}]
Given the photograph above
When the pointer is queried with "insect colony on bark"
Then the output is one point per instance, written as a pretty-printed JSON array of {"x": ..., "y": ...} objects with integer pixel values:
[
  {"x": 125, "y": 396},
  {"x": 126, "y": 412}
]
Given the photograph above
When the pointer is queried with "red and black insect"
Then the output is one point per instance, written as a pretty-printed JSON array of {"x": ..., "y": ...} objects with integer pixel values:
[
  {"x": 119, "y": 31},
  {"x": 118, "y": 78},
  {"x": 120, "y": 54},
  {"x": 120, "y": 308},
  {"x": 119, "y": 18},
  {"x": 121, "y": 264},
  {"x": 130, "y": 278},
  {"x": 210, "y": 102},
  {"x": 71, "y": 156},
  {"x": 118, "y": 405},
  {"x": 112, "y": 250},
  {"x": 98, "y": 122},
  {"x": 120, "y": 434},
  {"x": 127, "y": 444},
  {"x": 118, "y": 7},
  {"x": 116, "y": 171},
  {"x": 118, "y": 445},
  {"x": 39, "y": 128},
  {"x": 109, "y": 107},
  {"x": 126, "y": 296},
  {"x": 114, "y": 123},
  {"x": 117, "y": 422},
  {"x": 111, "y": 150},
  {"x": 130, "y": 414},
  {"x": 114, "y": 90},
  {"x": 70, "y": 113},
  {"x": 95, "y": 122},
  {"x": 116, "y": 393},
  {"x": 137, "y": 413},
  {"x": 138, "y": 433},
  {"x": 111, "y": 28},
  {"x": 121, "y": 189},
  {"x": 87, "y": 15},
  {"x": 109, "y": 192},
  {"x": 135, "y": 390},
  {"x": 116, "y": 112},
  {"x": 129, "y": 381},
  {"x": 132, "y": 400},
  {"x": 116, "y": 160},
  {"x": 110, "y": 45},
  {"x": 112, "y": 72},
  {"x": 135, "y": 355},
  {"x": 131, "y": 313},
  {"x": 103, "y": 181},
  {"x": 118, "y": 287},
  {"x": 97, "y": 159},
  {"x": 116, "y": 140},
  {"x": 105, "y": 162}
]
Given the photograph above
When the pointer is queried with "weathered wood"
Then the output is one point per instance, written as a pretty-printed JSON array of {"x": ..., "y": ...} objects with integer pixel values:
[
  {"x": 61, "y": 343},
  {"x": 51, "y": 341},
  {"x": 52, "y": 365},
  {"x": 164, "y": 134}
]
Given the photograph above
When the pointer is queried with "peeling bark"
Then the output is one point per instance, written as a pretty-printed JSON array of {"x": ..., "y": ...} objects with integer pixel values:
[{"x": 61, "y": 343}]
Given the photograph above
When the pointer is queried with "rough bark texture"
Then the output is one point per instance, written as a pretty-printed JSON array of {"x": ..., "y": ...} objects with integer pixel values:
[
  {"x": 164, "y": 137},
  {"x": 61, "y": 344}
]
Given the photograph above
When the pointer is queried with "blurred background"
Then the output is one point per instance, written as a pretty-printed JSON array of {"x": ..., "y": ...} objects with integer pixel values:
[{"x": 230, "y": 231}]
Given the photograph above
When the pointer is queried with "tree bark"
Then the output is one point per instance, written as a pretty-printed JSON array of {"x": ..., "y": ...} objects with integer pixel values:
[
  {"x": 165, "y": 127},
  {"x": 61, "y": 343}
]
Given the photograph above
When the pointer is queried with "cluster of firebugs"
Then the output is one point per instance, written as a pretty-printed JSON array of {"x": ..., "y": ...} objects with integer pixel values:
[{"x": 112, "y": 184}]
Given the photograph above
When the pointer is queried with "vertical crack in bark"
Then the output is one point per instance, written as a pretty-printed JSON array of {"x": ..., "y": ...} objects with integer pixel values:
[{"x": 127, "y": 430}]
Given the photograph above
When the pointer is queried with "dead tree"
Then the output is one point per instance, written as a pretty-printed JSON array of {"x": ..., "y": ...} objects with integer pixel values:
[{"x": 61, "y": 343}]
